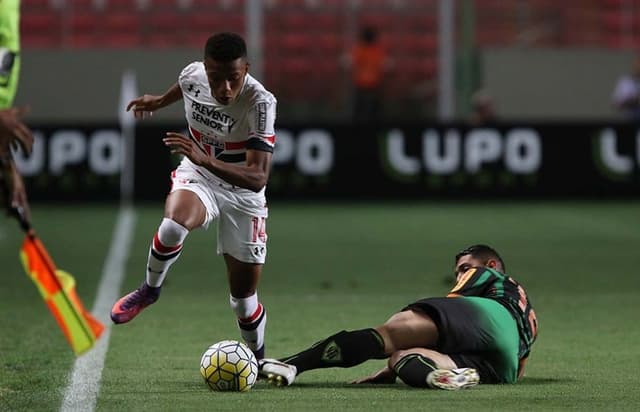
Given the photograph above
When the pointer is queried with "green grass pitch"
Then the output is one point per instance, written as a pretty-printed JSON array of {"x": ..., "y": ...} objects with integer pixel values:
[{"x": 333, "y": 267}]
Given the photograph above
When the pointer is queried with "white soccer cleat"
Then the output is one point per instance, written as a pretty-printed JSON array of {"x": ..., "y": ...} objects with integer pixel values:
[
  {"x": 278, "y": 373},
  {"x": 453, "y": 379}
]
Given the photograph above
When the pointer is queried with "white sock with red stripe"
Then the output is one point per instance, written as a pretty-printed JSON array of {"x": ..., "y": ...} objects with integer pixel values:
[
  {"x": 165, "y": 249},
  {"x": 252, "y": 319}
]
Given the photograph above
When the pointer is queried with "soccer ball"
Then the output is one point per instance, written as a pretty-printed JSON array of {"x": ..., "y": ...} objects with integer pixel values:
[{"x": 229, "y": 366}]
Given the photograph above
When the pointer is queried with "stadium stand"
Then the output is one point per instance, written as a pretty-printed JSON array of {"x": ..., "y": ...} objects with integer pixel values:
[{"x": 308, "y": 40}]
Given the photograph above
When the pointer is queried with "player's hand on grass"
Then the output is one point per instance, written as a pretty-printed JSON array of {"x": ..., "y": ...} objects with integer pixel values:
[
  {"x": 13, "y": 131},
  {"x": 180, "y": 144},
  {"x": 144, "y": 106},
  {"x": 383, "y": 376}
]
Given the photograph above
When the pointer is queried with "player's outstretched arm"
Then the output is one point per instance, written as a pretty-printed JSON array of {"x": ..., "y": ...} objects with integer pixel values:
[
  {"x": 145, "y": 105},
  {"x": 384, "y": 376}
]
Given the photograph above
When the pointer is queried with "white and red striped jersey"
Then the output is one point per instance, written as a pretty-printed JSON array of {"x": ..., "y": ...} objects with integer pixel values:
[{"x": 226, "y": 132}]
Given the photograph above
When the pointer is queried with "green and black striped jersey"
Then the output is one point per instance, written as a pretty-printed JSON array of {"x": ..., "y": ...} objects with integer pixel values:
[{"x": 491, "y": 284}]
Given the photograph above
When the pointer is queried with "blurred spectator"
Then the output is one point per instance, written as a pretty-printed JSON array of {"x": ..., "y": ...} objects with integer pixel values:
[
  {"x": 482, "y": 109},
  {"x": 13, "y": 132},
  {"x": 369, "y": 61},
  {"x": 626, "y": 95}
]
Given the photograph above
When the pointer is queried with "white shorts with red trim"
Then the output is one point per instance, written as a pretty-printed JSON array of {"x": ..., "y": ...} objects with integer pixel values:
[{"x": 241, "y": 214}]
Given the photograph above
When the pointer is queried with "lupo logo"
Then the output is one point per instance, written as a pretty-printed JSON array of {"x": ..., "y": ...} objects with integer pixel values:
[
  {"x": 613, "y": 160},
  {"x": 68, "y": 148},
  {"x": 312, "y": 151},
  {"x": 443, "y": 154}
]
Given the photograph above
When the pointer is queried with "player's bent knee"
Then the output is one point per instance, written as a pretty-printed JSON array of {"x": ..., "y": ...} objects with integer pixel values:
[
  {"x": 396, "y": 356},
  {"x": 394, "y": 331},
  {"x": 171, "y": 232},
  {"x": 413, "y": 369}
]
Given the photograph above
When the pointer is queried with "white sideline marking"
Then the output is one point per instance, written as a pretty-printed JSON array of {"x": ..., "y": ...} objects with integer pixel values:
[{"x": 84, "y": 381}]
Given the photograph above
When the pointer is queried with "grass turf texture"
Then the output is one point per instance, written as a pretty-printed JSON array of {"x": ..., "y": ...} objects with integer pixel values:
[{"x": 334, "y": 267}]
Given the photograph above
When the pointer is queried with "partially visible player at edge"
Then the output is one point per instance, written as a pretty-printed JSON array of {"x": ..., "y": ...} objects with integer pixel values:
[
  {"x": 222, "y": 177},
  {"x": 13, "y": 132},
  {"x": 481, "y": 332}
]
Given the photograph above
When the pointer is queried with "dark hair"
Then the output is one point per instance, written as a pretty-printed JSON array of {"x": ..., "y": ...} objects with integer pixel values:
[
  {"x": 482, "y": 252},
  {"x": 368, "y": 34},
  {"x": 225, "y": 47}
]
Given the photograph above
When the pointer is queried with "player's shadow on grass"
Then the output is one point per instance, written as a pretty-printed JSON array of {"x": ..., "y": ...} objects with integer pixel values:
[
  {"x": 398, "y": 386},
  {"x": 543, "y": 381},
  {"x": 335, "y": 385},
  {"x": 196, "y": 385}
]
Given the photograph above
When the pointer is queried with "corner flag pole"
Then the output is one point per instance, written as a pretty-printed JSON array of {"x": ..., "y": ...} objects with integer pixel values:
[{"x": 57, "y": 288}]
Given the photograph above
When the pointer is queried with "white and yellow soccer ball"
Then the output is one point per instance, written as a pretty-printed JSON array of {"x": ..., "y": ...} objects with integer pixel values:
[{"x": 229, "y": 366}]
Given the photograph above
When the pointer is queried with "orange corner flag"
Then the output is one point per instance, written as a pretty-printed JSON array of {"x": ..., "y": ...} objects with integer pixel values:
[{"x": 59, "y": 293}]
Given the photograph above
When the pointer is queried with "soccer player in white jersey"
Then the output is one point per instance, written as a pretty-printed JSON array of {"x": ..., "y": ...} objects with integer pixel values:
[{"x": 227, "y": 159}]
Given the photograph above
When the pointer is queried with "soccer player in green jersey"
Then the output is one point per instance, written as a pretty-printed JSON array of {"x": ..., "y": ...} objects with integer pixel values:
[
  {"x": 12, "y": 131},
  {"x": 482, "y": 331}
]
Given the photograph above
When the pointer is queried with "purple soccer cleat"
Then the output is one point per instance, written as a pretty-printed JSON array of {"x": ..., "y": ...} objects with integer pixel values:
[{"x": 128, "y": 306}]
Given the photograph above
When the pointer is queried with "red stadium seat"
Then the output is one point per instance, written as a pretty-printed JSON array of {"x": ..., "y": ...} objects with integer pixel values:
[
  {"x": 84, "y": 29},
  {"x": 215, "y": 22},
  {"x": 120, "y": 30},
  {"x": 163, "y": 22},
  {"x": 327, "y": 69},
  {"x": 84, "y": 22},
  {"x": 121, "y": 23},
  {"x": 427, "y": 67},
  {"x": 35, "y": 5},
  {"x": 328, "y": 43},
  {"x": 495, "y": 34},
  {"x": 296, "y": 43},
  {"x": 306, "y": 21},
  {"x": 417, "y": 68},
  {"x": 168, "y": 5},
  {"x": 422, "y": 22},
  {"x": 297, "y": 83},
  {"x": 223, "y": 5},
  {"x": 423, "y": 45},
  {"x": 163, "y": 29},
  {"x": 40, "y": 40},
  {"x": 128, "y": 5},
  {"x": 375, "y": 19},
  {"x": 327, "y": 22},
  {"x": 294, "y": 21},
  {"x": 40, "y": 30},
  {"x": 413, "y": 5},
  {"x": 614, "y": 20},
  {"x": 82, "y": 5},
  {"x": 39, "y": 22},
  {"x": 615, "y": 3},
  {"x": 334, "y": 5}
]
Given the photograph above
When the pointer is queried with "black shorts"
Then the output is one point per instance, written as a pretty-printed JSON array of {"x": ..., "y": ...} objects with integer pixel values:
[{"x": 476, "y": 333}]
